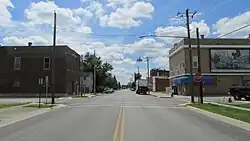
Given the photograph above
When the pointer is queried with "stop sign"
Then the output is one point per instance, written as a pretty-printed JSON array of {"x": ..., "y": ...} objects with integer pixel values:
[{"x": 198, "y": 77}]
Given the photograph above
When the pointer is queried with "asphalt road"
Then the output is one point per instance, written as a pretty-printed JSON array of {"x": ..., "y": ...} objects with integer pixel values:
[{"x": 122, "y": 116}]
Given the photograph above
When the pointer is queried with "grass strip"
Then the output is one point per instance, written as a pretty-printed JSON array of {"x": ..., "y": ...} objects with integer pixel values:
[
  {"x": 9, "y": 105},
  {"x": 225, "y": 111},
  {"x": 247, "y": 105}
]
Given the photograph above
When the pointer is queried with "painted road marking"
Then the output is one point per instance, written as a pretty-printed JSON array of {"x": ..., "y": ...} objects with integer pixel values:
[
  {"x": 118, "y": 122},
  {"x": 122, "y": 126}
]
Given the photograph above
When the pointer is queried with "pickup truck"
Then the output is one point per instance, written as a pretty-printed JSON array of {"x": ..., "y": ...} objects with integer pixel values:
[{"x": 239, "y": 92}]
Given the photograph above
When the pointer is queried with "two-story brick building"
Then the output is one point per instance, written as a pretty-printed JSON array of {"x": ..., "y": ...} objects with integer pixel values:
[
  {"x": 159, "y": 79},
  {"x": 224, "y": 62},
  {"x": 22, "y": 66}
]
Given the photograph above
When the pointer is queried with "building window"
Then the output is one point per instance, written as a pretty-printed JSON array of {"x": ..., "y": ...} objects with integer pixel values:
[
  {"x": 16, "y": 83},
  {"x": 46, "y": 63},
  {"x": 17, "y": 63}
]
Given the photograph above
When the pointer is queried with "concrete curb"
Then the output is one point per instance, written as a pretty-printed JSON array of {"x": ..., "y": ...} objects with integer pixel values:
[
  {"x": 90, "y": 96},
  {"x": 160, "y": 96},
  {"x": 228, "y": 120},
  {"x": 31, "y": 115},
  {"x": 230, "y": 106}
]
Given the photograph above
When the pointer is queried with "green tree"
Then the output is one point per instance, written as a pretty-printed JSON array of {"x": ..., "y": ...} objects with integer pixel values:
[
  {"x": 119, "y": 86},
  {"x": 103, "y": 75}
]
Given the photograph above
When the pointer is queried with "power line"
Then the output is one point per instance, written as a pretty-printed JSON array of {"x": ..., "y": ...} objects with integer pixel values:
[
  {"x": 211, "y": 10},
  {"x": 238, "y": 29},
  {"x": 231, "y": 32}
]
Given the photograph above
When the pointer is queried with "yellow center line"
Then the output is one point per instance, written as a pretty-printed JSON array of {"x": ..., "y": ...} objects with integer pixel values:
[
  {"x": 122, "y": 127},
  {"x": 117, "y": 125}
]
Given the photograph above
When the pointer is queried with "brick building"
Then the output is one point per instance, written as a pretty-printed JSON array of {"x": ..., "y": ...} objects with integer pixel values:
[
  {"x": 22, "y": 66},
  {"x": 159, "y": 79},
  {"x": 224, "y": 62}
]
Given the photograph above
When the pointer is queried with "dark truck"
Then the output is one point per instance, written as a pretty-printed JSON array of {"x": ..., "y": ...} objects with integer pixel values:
[{"x": 239, "y": 92}]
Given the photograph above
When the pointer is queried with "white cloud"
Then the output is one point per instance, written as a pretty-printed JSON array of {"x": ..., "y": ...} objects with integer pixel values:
[
  {"x": 150, "y": 47},
  {"x": 162, "y": 61},
  {"x": 182, "y": 31},
  {"x": 13, "y": 40},
  {"x": 96, "y": 8},
  {"x": 5, "y": 15},
  {"x": 127, "y": 17},
  {"x": 227, "y": 24},
  {"x": 83, "y": 13}
]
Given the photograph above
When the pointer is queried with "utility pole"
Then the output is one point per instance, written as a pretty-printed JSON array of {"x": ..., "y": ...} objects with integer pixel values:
[
  {"x": 187, "y": 14},
  {"x": 199, "y": 65},
  {"x": 148, "y": 72},
  {"x": 94, "y": 75},
  {"x": 138, "y": 70},
  {"x": 147, "y": 59},
  {"x": 53, "y": 62}
]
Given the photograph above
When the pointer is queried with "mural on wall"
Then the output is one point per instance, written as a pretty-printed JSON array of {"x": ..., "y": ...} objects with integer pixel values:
[{"x": 230, "y": 60}]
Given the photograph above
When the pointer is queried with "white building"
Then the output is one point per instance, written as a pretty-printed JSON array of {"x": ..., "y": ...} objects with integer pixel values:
[{"x": 86, "y": 82}]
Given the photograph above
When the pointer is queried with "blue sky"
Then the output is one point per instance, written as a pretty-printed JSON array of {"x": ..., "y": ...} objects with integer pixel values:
[{"x": 82, "y": 22}]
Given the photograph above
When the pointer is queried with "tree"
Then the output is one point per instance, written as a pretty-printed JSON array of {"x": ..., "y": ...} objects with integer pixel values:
[
  {"x": 103, "y": 76},
  {"x": 119, "y": 86},
  {"x": 137, "y": 76}
]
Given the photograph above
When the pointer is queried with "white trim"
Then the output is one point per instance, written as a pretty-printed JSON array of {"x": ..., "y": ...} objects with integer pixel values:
[
  {"x": 222, "y": 70},
  {"x": 208, "y": 46},
  {"x": 222, "y": 74}
]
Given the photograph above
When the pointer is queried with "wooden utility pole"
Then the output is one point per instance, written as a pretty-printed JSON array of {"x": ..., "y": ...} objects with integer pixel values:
[
  {"x": 199, "y": 65},
  {"x": 187, "y": 15},
  {"x": 53, "y": 62}
]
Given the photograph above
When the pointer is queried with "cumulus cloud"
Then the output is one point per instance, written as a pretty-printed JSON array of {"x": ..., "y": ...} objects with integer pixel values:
[
  {"x": 127, "y": 16},
  {"x": 182, "y": 31},
  {"x": 13, "y": 40},
  {"x": 227, "y": 24},
  {"x": 5, "y": 15}
]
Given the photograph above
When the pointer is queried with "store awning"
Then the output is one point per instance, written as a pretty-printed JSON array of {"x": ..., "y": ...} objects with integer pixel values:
[{"x": 186, "y": 79}]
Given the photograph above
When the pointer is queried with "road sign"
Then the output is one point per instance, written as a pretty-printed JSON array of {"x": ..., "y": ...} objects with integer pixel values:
[{"x": 198, "y": 77}]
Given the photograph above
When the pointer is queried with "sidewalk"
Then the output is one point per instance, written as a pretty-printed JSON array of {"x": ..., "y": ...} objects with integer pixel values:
[
  {"x": 15, "y": 114},
  {"x": 215, "y": 99},
  {"x": 160, "y": 94}
]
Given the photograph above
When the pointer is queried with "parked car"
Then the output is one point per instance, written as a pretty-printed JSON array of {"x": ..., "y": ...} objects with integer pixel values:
[
  {"x": 109, "y": 90},
  {"x": 239, "y": 92},
  {"x": 133, "y": 89}
]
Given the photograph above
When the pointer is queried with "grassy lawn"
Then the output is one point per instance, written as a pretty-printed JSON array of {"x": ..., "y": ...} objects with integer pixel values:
[
  {"x": 247, "y": 105},
  {"x": 9, "y": 105},
  {"x": 225, "y": 111},
  {"x": 36, "y": 105}
]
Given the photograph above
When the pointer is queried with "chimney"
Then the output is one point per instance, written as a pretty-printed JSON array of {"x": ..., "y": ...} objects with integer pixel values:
[
  {"x": 202, "y": 36},
  {"x": 29, "y": 44}
]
